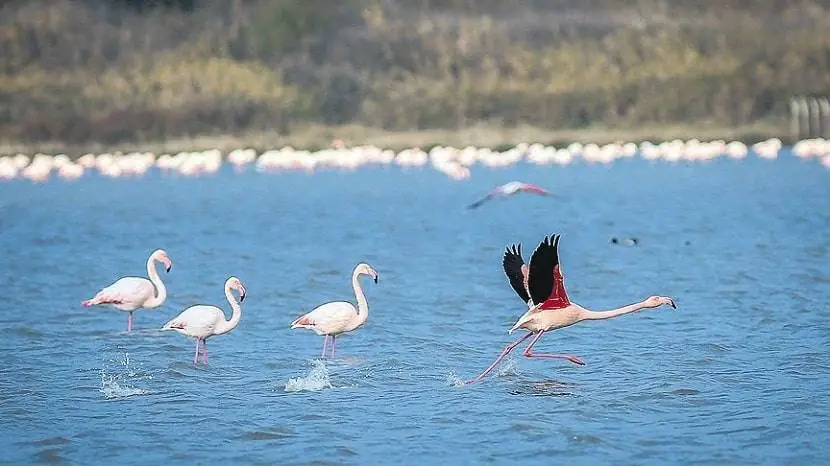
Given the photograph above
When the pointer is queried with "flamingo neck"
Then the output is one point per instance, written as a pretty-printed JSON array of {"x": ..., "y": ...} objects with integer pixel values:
[
  {"x": 161, "y": 290},
  {"x": 226, "y": 326},
  {"x": 600, "y": 315},
  {"x": 362, "y": 304}
]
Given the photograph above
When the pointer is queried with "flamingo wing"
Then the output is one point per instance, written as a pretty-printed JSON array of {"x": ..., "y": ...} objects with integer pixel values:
[
  {"x": 514, "y": 268},
  {"x": 196, "y": 321},
  {"x": 127, "y": 291},
  {"x": 481, "y": 201},
  {"x": 545, "y": 281},
  {"x": 333, "y": 317}
]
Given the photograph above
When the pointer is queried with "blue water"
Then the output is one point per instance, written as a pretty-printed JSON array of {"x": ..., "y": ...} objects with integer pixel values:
[{"x": 738, "y": 374}]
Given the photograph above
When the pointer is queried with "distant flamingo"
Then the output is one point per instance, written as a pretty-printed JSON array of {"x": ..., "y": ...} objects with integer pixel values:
[
  {"x": 542, "y": 287},
  {"x": 334, "y": 318},
  {"x": 204, "y": 321},
  {"x": 131, "y": 293},
  {"x": 510, "y": 189}
]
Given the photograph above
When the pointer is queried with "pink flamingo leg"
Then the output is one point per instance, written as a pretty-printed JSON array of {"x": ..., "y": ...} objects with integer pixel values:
[
  {"x": 333, "y": 345},
  {"x": 196, "y": 356},
  {"x": 325, "y": 344},
  {"x": 507, "y": 349},
  {"x": 204, "y": 352},
  {"x": 528, "y": 353},
  {"x": 130, "y": 322}
]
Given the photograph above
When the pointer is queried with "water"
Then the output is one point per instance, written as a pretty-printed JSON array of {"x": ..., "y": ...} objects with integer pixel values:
[{"x": 738, "y": 374}]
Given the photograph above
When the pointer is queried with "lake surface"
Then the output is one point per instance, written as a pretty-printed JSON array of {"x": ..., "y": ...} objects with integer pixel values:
[{"x": 738, "y": 374}]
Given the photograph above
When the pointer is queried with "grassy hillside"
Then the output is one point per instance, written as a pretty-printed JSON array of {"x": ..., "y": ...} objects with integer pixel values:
[{"x": 87, "y": 71}]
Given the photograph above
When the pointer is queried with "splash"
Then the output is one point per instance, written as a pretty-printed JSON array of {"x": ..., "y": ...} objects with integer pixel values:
[
  {"x": 454, "y": 380},
  {"x": 317, "y": 379},
  {"x": 112, "y": 389},
  {"x": 115, "y": 381}
]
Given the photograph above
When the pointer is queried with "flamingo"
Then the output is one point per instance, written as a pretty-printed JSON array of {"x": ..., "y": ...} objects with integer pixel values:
[
  {"x": 336, "y": 317},
  {"x": 131, "y": 293},
  {"x": 542, "y": 287},
  {"x": 203, "y": 321},
  {"x": 509, "y": 189}
]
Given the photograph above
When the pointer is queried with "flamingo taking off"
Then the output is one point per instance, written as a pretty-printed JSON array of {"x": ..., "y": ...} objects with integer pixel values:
[
  {"x": 203, "y": 321},
  {"x": 542, "y": 287},
  {"x": 332, "y": 319},
  {"x": 131, "y": 293},
  {"x": 509, "y": 189}
]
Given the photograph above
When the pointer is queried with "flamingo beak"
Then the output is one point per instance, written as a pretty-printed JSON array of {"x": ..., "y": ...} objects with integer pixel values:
[
  {"x": 375, "y": 278},
  {"x": 242, "y": 293},
  {"x": 672, "y": 304},
  {"x": 169, "y": 265}
]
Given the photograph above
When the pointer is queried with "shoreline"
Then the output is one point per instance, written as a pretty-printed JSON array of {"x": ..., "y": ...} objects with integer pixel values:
[{"x": 314, "y": 137}]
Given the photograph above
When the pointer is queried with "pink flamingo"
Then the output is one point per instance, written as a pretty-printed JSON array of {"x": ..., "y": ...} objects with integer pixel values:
[
  {"x": 542, "y": 287},
  {"x": 203, "y": 321},
  {"x": 509, "y": 189},
  {"x": 332, "y": 319},
  {"x": 131, "y": 293}
]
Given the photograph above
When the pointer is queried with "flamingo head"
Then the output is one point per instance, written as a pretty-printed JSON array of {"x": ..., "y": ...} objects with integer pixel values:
[
  {"x": 161, "y": 256},
  {"x": 236, "y": 284},
  {"x": 657, "y": 301},
  {"x": 366, "y": 269}
]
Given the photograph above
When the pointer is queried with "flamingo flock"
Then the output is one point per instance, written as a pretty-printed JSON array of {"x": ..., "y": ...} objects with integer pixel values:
[
  {"x": 450, "y": 161},
  {"x": 540, "y": 285}
]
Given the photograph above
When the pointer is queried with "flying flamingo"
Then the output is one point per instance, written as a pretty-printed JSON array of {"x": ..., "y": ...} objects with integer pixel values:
[
  {"x": 542, "y": 287},
  {"x": 131, "y": 293},
  {"x": 203, "y": 321},
  {"x": 510, "y": 189},
  {"x": 334, "y": 318}
]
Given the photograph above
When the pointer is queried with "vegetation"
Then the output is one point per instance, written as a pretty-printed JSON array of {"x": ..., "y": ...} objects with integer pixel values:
[{"x": 83, "y": 72}]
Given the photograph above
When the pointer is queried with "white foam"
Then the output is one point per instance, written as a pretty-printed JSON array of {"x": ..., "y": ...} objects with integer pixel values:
[
  {"x": 112, "y": 389},
  {"x": 317, "y": 379}
]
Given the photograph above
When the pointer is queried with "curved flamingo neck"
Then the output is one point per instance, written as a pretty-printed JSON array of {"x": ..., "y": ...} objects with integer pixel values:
[
  {"x": 599, "y": 315},
  {"x": 362, "y": 304},
  {"x": 226, "y": 326},
  {"x": 161, "y": 290}
]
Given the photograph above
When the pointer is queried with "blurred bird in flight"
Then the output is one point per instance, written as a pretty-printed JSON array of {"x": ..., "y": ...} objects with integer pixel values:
[{"x": 510, "y": 189}]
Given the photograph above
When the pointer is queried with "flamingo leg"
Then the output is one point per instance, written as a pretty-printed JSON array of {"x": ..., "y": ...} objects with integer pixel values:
[
  {"x": 325, "y": 344},
  {"x": 528, "y": 353},
  {"x": 507, "y": 349},
  {"x": 130, "y": 322},
  {"x": 204, "y": 352},
  {"x": 333, "y": 345},
  {"x": 196, "y": 356}
]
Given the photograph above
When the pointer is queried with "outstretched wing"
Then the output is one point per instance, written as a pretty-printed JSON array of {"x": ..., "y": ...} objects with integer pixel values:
[
  {"x": 545, "y": 281},
  {"x": 513, "y": 265},
  {"x": 481, "y": 201}
]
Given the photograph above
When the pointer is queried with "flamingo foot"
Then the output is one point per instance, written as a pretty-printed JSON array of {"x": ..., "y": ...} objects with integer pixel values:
[
  {"x": 507, "y": 349},
  {"x": 574, "y": 359}
]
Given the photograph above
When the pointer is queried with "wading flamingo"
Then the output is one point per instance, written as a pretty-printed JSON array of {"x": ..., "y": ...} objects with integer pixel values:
[
  {"x": 203, "y": 321},
  {"x": 332, "y": 319},
  {"x": 542, "y": 287},
  {"x": 131, "y": 293},
  {"x": 510, "y": 189}
]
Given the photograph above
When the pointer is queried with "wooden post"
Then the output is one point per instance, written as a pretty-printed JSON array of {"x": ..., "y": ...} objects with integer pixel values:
[
  {"x": 803, "y": 119},
  {"x": 815, "y": 121},
  {"x": 824, "y": 127},
  {"x": 795, "y": 117}
]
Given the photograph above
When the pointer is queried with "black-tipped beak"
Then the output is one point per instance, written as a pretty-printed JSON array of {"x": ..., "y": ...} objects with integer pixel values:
[
  {"x": 168, "y": 268},
  {"x": 671, "y": 303},
  {"x": 241, "y": 297},
  {"x": 376, "y": 278}
]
